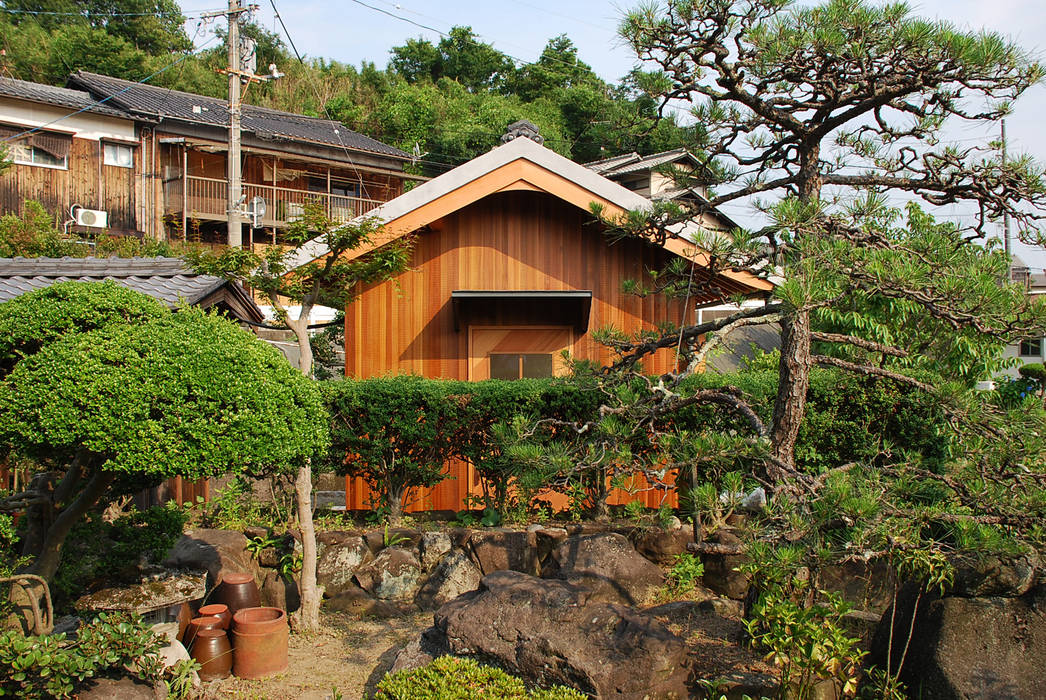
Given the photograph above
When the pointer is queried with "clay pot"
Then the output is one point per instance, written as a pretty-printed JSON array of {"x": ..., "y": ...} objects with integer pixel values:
[
  {"x": 214, "y": 653},
  {"x": 196, "y": 625},
  {"x": 237, "y": 591},
  {"x": 260, "y": 642},
  {"x": 219, "y": 610}
]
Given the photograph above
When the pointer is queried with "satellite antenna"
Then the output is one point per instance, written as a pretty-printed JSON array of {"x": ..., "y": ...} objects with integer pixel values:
[{"x": 256, "y": 211}]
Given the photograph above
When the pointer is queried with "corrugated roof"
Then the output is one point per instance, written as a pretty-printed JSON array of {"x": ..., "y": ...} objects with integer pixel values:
[
  {"x": 57, "y": 96},
  {"x": 156, "y": 102},
  {"x": 165, "y": 279}
]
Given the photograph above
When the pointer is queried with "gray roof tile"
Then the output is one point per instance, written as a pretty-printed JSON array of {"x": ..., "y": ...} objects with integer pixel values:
[
  {"x": 57, "y": 96},
  {"x": 153, "y": 102}
]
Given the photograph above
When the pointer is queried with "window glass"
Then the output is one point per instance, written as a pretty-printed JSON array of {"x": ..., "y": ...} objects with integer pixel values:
[
  {"x": 30, "y": 155},
  {"x": 1031, "y": 347},
  {"x": 504, "y": 366},
  {"x": 118, "y": 154},
  {"x": 537, "y": 366}
]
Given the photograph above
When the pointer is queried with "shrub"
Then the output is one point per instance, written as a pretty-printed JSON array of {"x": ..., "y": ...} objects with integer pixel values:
[
  {"x": 451, "y": 678},
  {"x": 684, "y": 574}
]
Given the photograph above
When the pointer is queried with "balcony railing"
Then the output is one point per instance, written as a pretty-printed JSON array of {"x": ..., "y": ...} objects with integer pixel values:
[{"x": 208, "y": 198}]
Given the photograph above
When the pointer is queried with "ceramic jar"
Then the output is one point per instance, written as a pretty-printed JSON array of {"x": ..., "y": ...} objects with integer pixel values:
[
  {"x": 237, "y": 591},
  {"x": 219, "y": 610},
  {"x": 214, "y": 654},
  {"x": 196, "y": 625},
  {"x": 260, "y": 642}
]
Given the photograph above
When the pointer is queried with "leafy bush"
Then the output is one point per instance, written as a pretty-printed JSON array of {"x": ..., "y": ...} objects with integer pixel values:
[
  {"x": 49, "y": 666},
  {"x": 451, "y": 678},
  {"x": 684, "y": 574}
]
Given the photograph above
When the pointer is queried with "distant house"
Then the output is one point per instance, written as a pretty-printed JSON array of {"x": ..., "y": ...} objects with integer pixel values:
[
  {"x": 165, "y": 279},
  {"x": 154, "y": 159},
  {"x": 509, "y": 268},
  {"x": 1029, "y": 349}
]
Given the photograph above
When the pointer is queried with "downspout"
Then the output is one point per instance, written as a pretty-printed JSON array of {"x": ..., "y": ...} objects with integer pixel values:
[
  {"x": 142, "y": 207},
  {"x": 155, "y": 233}
]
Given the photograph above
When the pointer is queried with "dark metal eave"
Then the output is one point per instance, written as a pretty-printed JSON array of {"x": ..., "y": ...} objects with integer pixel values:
[{"x": 580, "y": 299}]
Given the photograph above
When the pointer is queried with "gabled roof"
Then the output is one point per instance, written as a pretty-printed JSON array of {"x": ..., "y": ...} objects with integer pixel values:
[
  {"x": 633, "y": 162},
  {"x": 57, "y": 96},
  {"x": 520, "y": 164},
  {"x": 154, "y": 103},
  {"x": 165, "y": 279}
]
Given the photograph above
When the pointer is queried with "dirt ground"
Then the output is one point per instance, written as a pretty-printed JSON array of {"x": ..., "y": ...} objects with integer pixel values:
[{"x": 348, "y": 656}]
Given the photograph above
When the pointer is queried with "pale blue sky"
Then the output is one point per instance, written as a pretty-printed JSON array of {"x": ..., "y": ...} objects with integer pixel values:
[{"x": 351, "y": 32}]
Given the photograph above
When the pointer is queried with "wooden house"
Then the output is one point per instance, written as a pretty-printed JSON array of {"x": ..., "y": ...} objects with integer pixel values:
[
  {"x": 154, "y": 159},
  {"x": 509, "y": 268},
  {"x": 68, "y": 151}
]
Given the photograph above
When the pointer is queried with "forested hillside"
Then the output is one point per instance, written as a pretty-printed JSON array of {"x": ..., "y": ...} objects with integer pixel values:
[{"x": 452, "y": 98}]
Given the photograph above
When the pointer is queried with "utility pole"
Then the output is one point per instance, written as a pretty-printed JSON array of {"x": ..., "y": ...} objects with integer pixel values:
[
  {"x": 1006, "y": 214},
  {"x": 233, "y": 167}
]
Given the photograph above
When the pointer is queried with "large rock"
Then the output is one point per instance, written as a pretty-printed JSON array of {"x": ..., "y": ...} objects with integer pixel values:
[
  {"x": 721, "y": 574},
  {"x": 280, "y": 592},
  {"x": 358, "y": 602},
  {"x": 663, "y": 546},
  {"x": 339, "y": 556},
  {"x": 215, "y": 551},
  {"x": 395, "y": 574},
  {"x": 864, "y": 584},
  {"x": 501, "y": 550},
  {"x": 401, "y": 537},
  {"x": 455, "y": 574},
  {"x": 994, "y": 575},
  {"x": 433, "y": 546},
  {"x": 550, "y": 631},
  {"x": 970, "y": 648},
  {"x": 609, "y": 566}
]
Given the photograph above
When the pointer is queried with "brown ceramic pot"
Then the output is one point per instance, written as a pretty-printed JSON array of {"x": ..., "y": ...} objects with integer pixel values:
[
  {"x": 237, "y": 591},
  {"x": 260, "y": 642},
  {"x": 219, "y": 610},
  {"x": 196, "y": 625},
  {"x": 214, "y": 653}
]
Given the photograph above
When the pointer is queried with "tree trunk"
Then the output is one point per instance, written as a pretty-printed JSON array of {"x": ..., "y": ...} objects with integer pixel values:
[
  {"x": 396, "y": 506},
  {"x": 46, "y": 564},
  {"x": 793, "y": 382},
  {"x": 308, "y": 617}
]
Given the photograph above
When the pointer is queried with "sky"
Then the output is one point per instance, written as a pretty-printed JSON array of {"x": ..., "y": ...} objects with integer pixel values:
[{"x": 352, "y": 31}]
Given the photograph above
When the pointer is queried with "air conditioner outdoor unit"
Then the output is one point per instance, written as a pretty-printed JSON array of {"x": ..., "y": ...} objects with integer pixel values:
[{"x": 92, "y": 218}]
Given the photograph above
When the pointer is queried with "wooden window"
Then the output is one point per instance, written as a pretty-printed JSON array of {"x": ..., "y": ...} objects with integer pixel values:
[
  {"x": 520, "y": 365},
  {"x": 119, "y": 155},
  {"x": 1031, "y": 347},
  {"x": 31, "y": 154}
]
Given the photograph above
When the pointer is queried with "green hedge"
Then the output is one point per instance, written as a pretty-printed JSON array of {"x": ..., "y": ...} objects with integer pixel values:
[
  {"x": 451, "y": 678},
  {"x": 398, "y": 432}
]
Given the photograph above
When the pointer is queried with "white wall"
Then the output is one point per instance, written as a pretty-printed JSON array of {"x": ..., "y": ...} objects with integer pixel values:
[{"x": 84, "y": 125}]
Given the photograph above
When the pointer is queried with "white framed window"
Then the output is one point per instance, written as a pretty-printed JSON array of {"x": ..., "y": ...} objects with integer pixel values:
[
  {"x": 28, "y": 154},
  {"x": 119, "y": 155}
]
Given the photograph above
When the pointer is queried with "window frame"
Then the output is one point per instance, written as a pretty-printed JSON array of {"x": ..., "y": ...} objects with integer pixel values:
[
  {"x": 1030, "y": 342},
  {"x": 118, "y": 145},
  {"x": 19, "y": 147}
]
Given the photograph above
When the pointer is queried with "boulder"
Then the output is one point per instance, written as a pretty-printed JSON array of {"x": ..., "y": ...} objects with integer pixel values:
[
  {"x": 339, "y": 556},
  {"x": 609, "y": 566},
  {"x": 969, "y": 648},
  {"x": 455, "y": 574},
  {"x": 721, "y": 573},
  {"x": 395, "y": 574},
  {"x": 550, "y": 631},
  {"x": 402, "y": 537},
  {"x": 358, "y": 602},
  {"x": 501, "y": 550},
  {"x": 547, "y": 539},
  {"x": 280, "y": 592},
  {"x": 994, "y": 575},
  {"x": 433, "y": 546},
  {"x": 663, "y": 546},
  {"x": 215, "y": 551},
  {"x": 866, "y": 584}
]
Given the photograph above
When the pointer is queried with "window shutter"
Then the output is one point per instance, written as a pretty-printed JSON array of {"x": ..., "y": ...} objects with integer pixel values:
[{"x": 57, "y": 145}]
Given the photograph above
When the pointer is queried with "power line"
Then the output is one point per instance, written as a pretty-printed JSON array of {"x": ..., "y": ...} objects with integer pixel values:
[{"x": 103, "y": 15}]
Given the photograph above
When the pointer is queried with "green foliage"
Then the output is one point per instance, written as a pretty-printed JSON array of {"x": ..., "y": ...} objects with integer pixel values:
[
  {"x": 49, "y": 666},
  {"x": 181, "y": 394},
  {"x": 685, "y": 573},
  {"x": 809, "y": 644},
  {"x": 450, "y": 678}
]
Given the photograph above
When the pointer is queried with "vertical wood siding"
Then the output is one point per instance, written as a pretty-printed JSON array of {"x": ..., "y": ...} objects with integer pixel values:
[{"x": 508, "y": 241}]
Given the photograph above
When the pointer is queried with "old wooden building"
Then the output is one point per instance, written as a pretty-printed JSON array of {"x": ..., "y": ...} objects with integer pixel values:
[
  {"x": 154, "y": 159},
  {"x": 509, "y": 269}
]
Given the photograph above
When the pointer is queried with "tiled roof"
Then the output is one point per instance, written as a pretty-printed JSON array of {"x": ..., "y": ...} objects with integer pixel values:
[
  {"x": 632, "y": 162},
  {"x": 57, "y": 96},
  {"x": 149, "y": 101},
  {"x": 165, "y": 279}
]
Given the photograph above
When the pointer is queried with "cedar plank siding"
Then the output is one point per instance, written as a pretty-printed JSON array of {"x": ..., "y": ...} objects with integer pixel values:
[
  {"x": 86, "y": 182},
  {"x": 508, "y": 241}
]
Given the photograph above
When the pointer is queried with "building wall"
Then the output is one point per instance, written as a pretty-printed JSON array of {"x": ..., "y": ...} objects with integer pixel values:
[
  {"x": 508, "y": 241},
  {"x": 85, "y": 181}
]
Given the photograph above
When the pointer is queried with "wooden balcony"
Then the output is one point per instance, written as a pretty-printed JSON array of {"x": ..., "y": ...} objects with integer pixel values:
[{"x": 206, "y": 199}]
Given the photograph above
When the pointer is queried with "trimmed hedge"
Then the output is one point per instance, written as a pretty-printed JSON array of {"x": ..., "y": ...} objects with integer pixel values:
[{"x": 452, "y": 678}]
